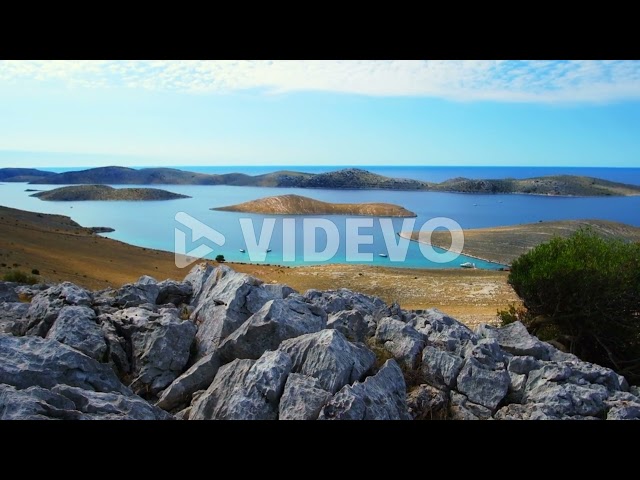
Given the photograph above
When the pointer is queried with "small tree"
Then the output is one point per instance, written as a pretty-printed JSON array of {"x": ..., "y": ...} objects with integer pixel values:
[
  {"x": 220, "y": 259},
  {"x": 584, "y": 291}
]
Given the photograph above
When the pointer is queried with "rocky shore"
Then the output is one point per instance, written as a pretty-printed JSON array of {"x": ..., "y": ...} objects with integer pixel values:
[{"x": 224, "y": 345}]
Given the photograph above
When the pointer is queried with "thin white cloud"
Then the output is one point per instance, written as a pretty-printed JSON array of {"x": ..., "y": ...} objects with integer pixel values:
[{"x": 509, "y": 81}]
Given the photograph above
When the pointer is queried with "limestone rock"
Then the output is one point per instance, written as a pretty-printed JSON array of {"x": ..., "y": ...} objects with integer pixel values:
[
  {"x": 401, "y": 340},
  {"x": 380, "y": 397},
  {"x": 303, "y": 398},
  {"x": 78, "y": 328},
  {"x": 276, "y": 321},
  {"x": 328, "y": 356}
]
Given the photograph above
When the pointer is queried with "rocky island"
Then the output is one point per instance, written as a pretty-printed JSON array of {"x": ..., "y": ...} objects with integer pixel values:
[
  {"x": 224, "y": 345},
  {"x": 345, "y": 179},
  {"x": 105, "y": 193},
  {"x": 299, "y": 205}
]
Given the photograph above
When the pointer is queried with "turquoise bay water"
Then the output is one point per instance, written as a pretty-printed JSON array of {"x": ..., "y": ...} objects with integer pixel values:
[{"x": 151, "y": 224}]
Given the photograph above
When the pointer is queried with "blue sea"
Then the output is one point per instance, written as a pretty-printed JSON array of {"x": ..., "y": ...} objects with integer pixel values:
[{"x": 152, "y": 224}]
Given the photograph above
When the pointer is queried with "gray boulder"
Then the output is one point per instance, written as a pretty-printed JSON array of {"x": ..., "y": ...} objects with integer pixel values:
[
  {"x": 427, "y": 403},
  {"x": 245, "y": 390},
  {"x": 35, "y": 403},
  {"x": 461, "y": 408},
  {"x": 278, "y": 290},
  {"x": 517, "y": 384},
  {"x": 442, "y": 331},
  {"x": 63, "y": 402},
  {"x": 160, "y": 350},
  {"x": 117, "y": 347},
  {"x": 198, "y": 377},
  {"x": 440, "y": 368},
  {"x": 145, "y": 290},
  {"x": 558, "y": 387},
  {"x": 515, "y": 339},
  {"x": 13, "y": 319},
  {"x": 78, "y": 328},
  {"x": 352, "y": 324},
  {"x": 33, "y": 361},
  {"x": 486, "y": 352},
  {"x": 276, "y": 321},
  {"x": 46, "y": 306},
  {"x": 177, "y": 293},
  {"x": 328, "y": 356},
  {"x": 197, "y": 278},
  {"x": 523, "y": 365},
  {"x": 302, "y": 399},
  {"x": 529, "y": 411},
  {"x": 8, "y": 292},
  {"x": 379, "y": 397},
  {"x": 109, "y": 405},
  {"x": 227, "y": 300},
  {"x": 334, "y": 301},
  {"x": 212, "y": 403},
  {"x": 623, "y": 406},
  {"x": 482, "y": 385},
  {"x": 403, "y": 341}
]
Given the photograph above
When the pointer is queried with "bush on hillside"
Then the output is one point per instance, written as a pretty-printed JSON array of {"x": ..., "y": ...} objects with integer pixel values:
[
  {"x": 19, "y": 277},
  {"x": 584, "y": 292}
]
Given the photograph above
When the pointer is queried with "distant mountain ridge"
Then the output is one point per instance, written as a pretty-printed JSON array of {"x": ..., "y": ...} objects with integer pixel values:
[{"x": 349, "y": 178}]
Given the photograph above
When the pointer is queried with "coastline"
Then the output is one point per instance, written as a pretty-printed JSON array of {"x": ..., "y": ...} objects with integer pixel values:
[
  {"x": 410, "y": 238},
  {"x": 62, "y": 250}
]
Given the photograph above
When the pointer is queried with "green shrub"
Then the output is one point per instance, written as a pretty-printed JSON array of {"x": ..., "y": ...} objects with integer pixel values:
[
  {"x": 513, "y": 314},
  {"x": 220, "y": 259},
  {"x": 584, "y": 292},
  {"x": 19, "y": 277},
  {"x": 35, "y": 271}
]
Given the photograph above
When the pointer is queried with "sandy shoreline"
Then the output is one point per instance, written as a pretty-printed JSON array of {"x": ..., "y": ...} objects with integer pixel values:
[{"x": 407, "y": 236}]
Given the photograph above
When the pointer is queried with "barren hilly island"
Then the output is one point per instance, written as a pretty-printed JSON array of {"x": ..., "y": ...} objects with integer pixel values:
[
  {"x": 105, "y": 193},
  {"x": 299, "y": 205}
]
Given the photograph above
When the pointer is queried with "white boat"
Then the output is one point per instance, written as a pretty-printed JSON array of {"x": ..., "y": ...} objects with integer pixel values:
[
  {"x": 468, "y": 265},
  {"x": 382, "y": 254},
  {"x": 242, "y": 250}
]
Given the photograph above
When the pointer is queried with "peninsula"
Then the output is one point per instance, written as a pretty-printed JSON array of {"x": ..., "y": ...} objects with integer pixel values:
[
  {"x": 345, "y": 179},
  {"x": 505, "y": 244},
  {"x": 299, "y": 205},
  {"x": 105, "y": 193}
]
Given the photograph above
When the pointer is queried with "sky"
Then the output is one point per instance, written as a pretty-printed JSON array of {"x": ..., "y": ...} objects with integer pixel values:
[{"x": 343, "y": 113}]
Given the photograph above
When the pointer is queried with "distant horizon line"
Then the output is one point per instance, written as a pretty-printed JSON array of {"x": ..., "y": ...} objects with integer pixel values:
[{"x": 341, "y": 167}]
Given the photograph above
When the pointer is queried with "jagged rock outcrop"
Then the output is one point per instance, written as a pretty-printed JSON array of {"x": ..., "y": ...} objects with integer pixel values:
[
  {"x": 224, "y": 345},
  {"x": 46, "y": 306},
  {"x": 403, "y": 341},
  {"x": 277, "y": 321},
  {"x": 13, "y": 318},
  {"x": 225, "y": 301},
  {"x": 198, "y": 377},
  {"x": 145, "y": 290},
  {"x": 303, "y": 398},
  {"x": 329, "y": 357},
  {"x": 78, "y": 328},
  {"x": 380, "y": 397}
]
